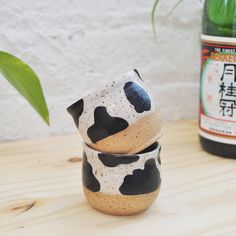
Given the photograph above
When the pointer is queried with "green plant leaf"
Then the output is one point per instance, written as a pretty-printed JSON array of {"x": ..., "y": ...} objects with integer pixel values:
[
  {"x": 24, "y": 79},
  {"x": 154, "y": 11},
  {"x": 153, "y": 17},
  {"x": 175, "y": 6}
]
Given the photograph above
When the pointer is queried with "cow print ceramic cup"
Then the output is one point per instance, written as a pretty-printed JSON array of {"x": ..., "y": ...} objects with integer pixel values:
[
  {"x": 123, "y": 117},
  {"x": 121, "y": 184}
]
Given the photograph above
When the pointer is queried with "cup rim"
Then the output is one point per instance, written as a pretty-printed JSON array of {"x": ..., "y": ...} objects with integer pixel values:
[{"x": 153, "y": 148}]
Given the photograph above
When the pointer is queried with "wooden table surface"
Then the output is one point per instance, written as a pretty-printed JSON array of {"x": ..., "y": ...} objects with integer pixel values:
[{"x": 41, "y": 191}]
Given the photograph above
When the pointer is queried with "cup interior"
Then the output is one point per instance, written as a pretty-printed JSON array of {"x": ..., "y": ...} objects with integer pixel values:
[{"x": 150, "y": 148}]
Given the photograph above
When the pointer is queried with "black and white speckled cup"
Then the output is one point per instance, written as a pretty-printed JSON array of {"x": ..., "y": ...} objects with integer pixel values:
[
  {"x": 123, "y": 117},
  {"x": 121, "y": 184}
]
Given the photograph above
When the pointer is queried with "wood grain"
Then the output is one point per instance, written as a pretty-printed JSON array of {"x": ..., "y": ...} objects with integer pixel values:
[{"x": 41, "y": 191}]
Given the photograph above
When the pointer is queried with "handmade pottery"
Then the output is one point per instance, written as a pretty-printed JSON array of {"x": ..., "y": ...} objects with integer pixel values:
[
  {"x": 120, "y": 184},
  {"x": 123, "y": 117}
]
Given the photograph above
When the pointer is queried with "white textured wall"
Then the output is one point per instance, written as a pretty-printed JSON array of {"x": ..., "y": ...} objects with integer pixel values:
[{"x": 77, "y": 45}]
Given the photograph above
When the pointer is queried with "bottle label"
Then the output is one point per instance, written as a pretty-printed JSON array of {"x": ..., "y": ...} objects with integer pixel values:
[{"x": 217, "y": 116}]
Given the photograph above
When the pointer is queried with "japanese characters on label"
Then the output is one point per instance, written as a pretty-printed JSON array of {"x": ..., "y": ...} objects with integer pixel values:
[
  {"x": 218, "y": 89},
  {"x": 227, "y": 90}
]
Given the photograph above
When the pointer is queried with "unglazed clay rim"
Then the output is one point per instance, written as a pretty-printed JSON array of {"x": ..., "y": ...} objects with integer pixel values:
[{"x": 96, "y": 152}]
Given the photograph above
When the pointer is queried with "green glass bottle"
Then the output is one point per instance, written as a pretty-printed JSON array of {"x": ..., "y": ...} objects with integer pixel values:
[{"x": 217, "y": 113}]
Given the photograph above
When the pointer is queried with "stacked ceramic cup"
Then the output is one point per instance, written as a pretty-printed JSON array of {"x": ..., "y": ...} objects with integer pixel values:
[{"x": 120, "y": 125}]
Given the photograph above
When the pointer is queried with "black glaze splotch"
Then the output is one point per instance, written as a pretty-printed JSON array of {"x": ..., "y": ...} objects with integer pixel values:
[
  {"x": 113, "y": 160},
  {"x": 137, "y": 96},
  {"x": 89, "y": 180},
  {"x": 76, "y": 110},
  {"x": 136, "y": 71},
  {"x": 105, "y": 125},
  {"x": 142, "y": 181},
  {"x": 159, "y": 156}
]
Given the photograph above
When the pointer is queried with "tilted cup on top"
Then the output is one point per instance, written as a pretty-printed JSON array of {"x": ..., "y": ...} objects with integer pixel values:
[
  {"x": 123, "y": 117},
  {"x": 121, "y": 184}
]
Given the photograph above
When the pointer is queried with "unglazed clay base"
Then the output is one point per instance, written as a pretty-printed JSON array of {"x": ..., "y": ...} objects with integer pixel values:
[
  {"x": 120, "y": 204},
  {"x": 133, "y": 139}
]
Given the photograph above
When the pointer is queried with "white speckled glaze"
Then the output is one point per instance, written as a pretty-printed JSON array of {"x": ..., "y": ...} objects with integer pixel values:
[
  {"x": 113, "y": 97},
  {"x": 111, "y": 178}
]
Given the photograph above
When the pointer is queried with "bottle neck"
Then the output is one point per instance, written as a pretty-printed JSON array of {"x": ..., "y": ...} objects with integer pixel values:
[{"x": 219, "y": 18}]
